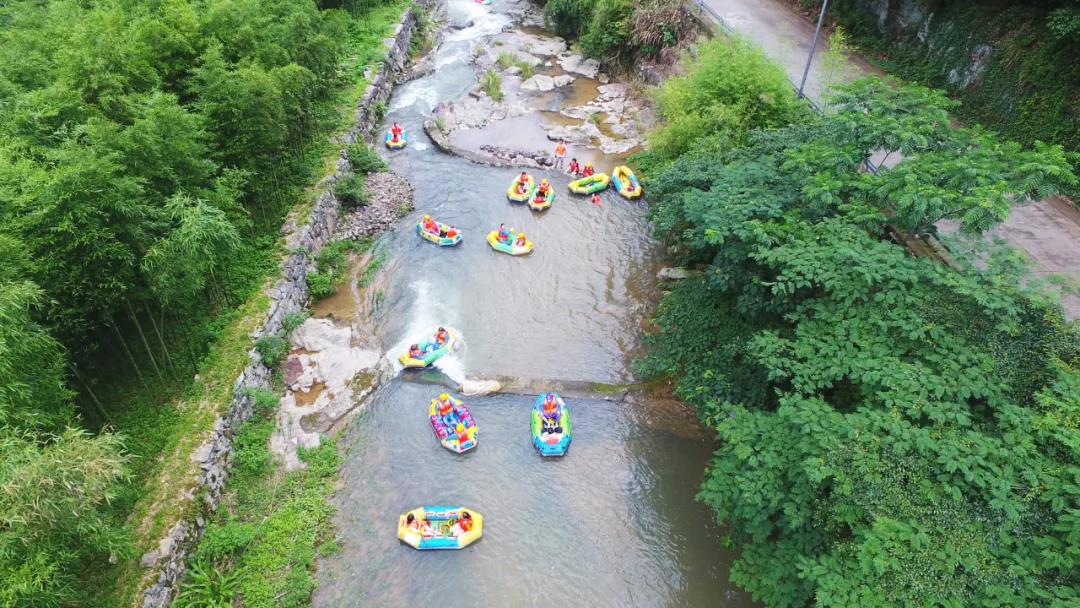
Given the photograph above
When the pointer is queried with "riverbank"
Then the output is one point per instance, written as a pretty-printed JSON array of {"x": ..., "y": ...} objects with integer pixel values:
[
  {"x": 192, "y": 482},
  {"x": 860, "y": 392}
]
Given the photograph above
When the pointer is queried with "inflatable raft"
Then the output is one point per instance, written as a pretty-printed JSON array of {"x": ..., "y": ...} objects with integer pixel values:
[
  {"x": 444, "y": 238},
  {"x": 446, "y": 427},
  {"x": 511, "y": 192},
  {"x": 621, "y": 177},
  {"x": 440, "y": 527},
  {"x": 493, "y": 240},
  {"x": 588, "y": 185},
  {"x": 550, "y": 198},
  {"x": 551, "y": 442},
  {"x": 400, "y": 143},
  {"x": 432, "y": 352}
]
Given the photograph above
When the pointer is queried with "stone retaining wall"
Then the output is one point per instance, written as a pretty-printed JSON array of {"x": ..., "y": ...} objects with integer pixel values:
[{"x": 288, "y": 295}]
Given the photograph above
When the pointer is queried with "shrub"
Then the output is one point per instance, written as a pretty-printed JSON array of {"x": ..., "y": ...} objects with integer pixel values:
[
  {"x": 349, "y": 190},
  {"x": 271, "y": 349},
  {"x": 569, "y": 18},
  {"x": 320, "y": 284},
  {"x": 293, "y": 320},
  {"x": 730, "y": 88},
  {"x": 264, "y": 400},
  {"x": 363, "y": 159}
]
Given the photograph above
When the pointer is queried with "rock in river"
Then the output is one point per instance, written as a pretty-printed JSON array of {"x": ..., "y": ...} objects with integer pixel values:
[{"x": 539, "y": 82}]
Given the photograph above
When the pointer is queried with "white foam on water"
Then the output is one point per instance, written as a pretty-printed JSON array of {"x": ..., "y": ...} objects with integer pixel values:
[
  {"x": 427, "y": 314},
  {"x": 484, "y": 21},
  {"x": 415, "y": 93}
]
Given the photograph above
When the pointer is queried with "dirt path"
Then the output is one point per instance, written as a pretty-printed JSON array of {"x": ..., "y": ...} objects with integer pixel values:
[{"x": 1048, "y": 231}]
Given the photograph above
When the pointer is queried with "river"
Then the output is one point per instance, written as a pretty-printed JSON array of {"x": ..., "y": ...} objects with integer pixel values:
[{"x": 614, "y": 523}]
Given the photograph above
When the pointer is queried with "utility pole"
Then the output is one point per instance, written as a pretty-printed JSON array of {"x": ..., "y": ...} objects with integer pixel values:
[{"x": 813, "y": 47}]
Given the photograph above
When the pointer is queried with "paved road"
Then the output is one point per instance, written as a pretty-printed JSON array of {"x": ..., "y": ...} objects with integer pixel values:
[{"x": 1048, "y": 231}]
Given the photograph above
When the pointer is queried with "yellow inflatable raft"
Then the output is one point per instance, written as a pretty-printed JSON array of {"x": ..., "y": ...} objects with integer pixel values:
[
  {"x": 493, "y": 240},
  {"x": 626, "y": 183},
  {"x": 440, "y": 527}
]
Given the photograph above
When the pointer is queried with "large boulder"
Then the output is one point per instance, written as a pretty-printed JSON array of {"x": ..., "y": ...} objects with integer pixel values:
[
  {"x": 539, "y": 82},
  {"x": 588, "y": 68}
]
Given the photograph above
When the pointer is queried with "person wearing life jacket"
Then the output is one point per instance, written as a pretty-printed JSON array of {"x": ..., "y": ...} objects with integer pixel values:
[
  {"x": 575, "y": 168},
  {"x": 587, "y": 171},
  {"x": 504, "y": 234},
  {"x": 523, "y": 183},
  {"x": 560, "y": 154},
  {"x": 430, "y": 226},
  {"x": 412, "y": 522},
  {"x": 442, "y": 336},
  {"x": 395, "y": 133},
  {"x": 596, "y": 198},
  {"x": 520, "y": 241},
  {"x": 445, "y": 409},
  {"x": 629, "y": 187},
  {"x": 451, "y": 232},
  {"x": 462, "y": 433},
  {"x": 551, "y": 414},
  {"x": 466, "y": 521},
  {"x": 545, "y": 186},
  {"x": 415, "y": 352}
]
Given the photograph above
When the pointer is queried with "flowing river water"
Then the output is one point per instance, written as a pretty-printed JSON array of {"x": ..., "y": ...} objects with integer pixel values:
[{"x": 614, "y": 523}]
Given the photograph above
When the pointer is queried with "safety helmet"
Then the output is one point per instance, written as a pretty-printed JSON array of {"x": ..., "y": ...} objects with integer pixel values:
[
  {"x": 444, "y": 396},
  {"x": 588, "y": 164},
  {"x": 427, "y": 217},
  {"x": 460, "y": 427}
]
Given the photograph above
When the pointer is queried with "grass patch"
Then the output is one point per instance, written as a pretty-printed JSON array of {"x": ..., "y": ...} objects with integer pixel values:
[
  {"x": 507, "y": 60},
  {"x": 268, "y": 523},
  {"x": 492, "y": 85},
  {"x": 369, "y": 271}
]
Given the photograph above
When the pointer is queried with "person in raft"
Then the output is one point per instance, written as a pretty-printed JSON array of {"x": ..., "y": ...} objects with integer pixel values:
[
  {"x": 551, "y": 414},
  {"x": 442, "y": 336},
  {"x": 629, "y": 186},
  {"x": 575, "y": 168},
  {"x": 462, "y": 525},
  {"x": 504, "y": 234},
  {"x": 560, "y": 154},
  {"x": 395, "y": 133},
  {"x": 415, "y": 352},
  {"x": 520, "y": 241},
  {"x": 430, "y": 225},
  {"x": 412, "y": 522},
  {"x": 444, "y": 408},
  {"x": 522, "y": 183},
  {"x": 587, "y": 171}
]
